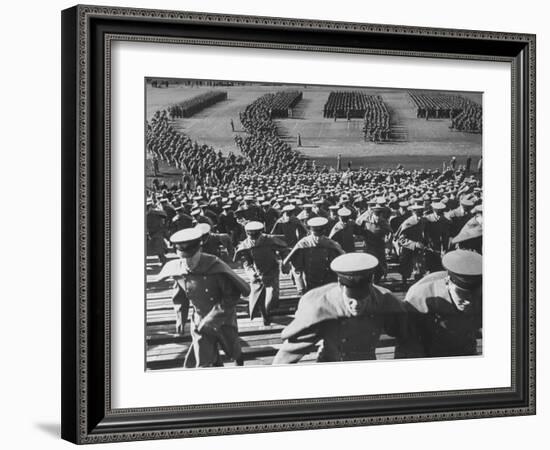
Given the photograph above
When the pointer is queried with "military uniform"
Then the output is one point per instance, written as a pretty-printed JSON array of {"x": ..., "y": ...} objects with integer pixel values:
[
  {"x": 156, "y": 233},
  {"x": 439, "y": 326},
  {"x": 201, "y": 218},
  {"x": 260, "y": 260},
  {"x": 344, "y": 234},
  {"x": 310, "y": 259},
  {"x": 169, "y": 210},
  {"x": 471, "y": 236},
  {"x": 291, "y": 228},
  {"x": 374, "y": 232},
  {"x": 325, "y": 315},
  {"x": 437, "y": 234},
  {"x": 270, "y": 216},
  {"x": 344, "y": 230},
  {"x": 410, "y": 237},
  {"x": 396, "y": 221},
  {"x": 227, "y": 223},
  {"x": 253, "y": 213},
  {"x": 213, "y": 243},
  {"x": 212, "y": 290},
  {"x": 458, "y": 218},
  {"x": 181, "y": 222}
]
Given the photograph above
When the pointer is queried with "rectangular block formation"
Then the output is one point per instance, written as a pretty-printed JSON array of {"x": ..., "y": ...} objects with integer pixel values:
[
  {"x": 195, "y": 104},
  {"x": 465, "y": 114}
]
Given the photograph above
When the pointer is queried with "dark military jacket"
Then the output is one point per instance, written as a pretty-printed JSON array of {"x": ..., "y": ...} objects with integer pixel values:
[
  {"x": 344, "y": 234},
  {"x": 410, "y": 232},
  {"x": 170, "y": 212},
  {"x": 322, "y": 315},
  {"x": 292, "y": 230},
  {"x": 458, "y": 218},
  {"x": 253, "y": 213},
  {"x": 271, "y": 215},
  {"x": 311, "y": 258},
  {"x": 214, "y": 243},
  {"x": 438, "y": 327},
  {"x": 227, "y": 223},
  {"x": 210, "y": 215},
  {"x": 437, "y": 232},
  {"x": 374, "y": 234},
  {"x": 260, "y": 261},
  {"x": 396, "y": 221},
  {"x": 181, "y": 222},
  {"x": 156, "y": 222},
  {"x": 204, "y": 219}
]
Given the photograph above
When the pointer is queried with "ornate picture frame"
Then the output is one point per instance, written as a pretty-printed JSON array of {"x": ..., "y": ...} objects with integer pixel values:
[{"x": 88, "y": 33}]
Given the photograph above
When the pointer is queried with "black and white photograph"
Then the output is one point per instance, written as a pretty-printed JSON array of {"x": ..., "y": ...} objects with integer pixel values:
[{"x": 303, "y": 224}]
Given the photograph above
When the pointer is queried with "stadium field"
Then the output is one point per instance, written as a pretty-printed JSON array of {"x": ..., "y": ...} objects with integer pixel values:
[{"x": 415, "y": 143}]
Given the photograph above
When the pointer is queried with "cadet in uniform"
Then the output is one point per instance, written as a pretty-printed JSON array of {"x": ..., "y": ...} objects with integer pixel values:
[
  {"x": 344, "y": 230},
  {"x": 471, "y": 235},
  {"x": 259, "y": 255},
  {"x": 395, "y": 222},
  {"x": 156, "y": 233},
  {"x": 182, "y": 220},
  {"x": 199, "y": 217},
  {"x": 289, "y": 226},
  {"x": 410, "y": 239},
  {"x": 459, "y": 216},
  {"x": 251, "y": 212},
  {"x": 270, "y": 215},
  {"x": 212, "y": 243},
  {"x": 375, "y": 229},
  {"x": 227, "y": 223},
  {"x": 311, "y": 257},
  {"x": 437, "y": 236},
  {"x": 445, "y": 309},
  {"x": 332, "y": 217},
  {"x": 348, "y": 317},
  {"x": 168, "y": 209},
  {"x": 212, "y": 289}
]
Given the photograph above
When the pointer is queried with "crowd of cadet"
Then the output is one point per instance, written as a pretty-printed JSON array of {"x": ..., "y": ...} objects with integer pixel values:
[
  {"x": 346, "y": 104},
  {"x": 280, "y": 104},
  {"x": 309, "y": 225},
  {"x": 469, "y": 120},
  {"x": 271, "y": 212},
  {"x": 265, "y": 150},
  {"x": 195, "y": 104},
  {"x": 376, "y": 126},
  {"x": 465, "y": 114}
]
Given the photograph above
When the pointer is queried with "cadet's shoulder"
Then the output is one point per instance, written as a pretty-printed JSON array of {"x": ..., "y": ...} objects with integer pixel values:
[
  {"x": 319, "y": 294},
  {"x": 432, "y": 285},
  {"x": 431, "y": 218},
  {"x": 389, "y": 301},
  {"x": 156, "y": 212},
  {"x": 244, "y": 245},
  {"x": 270, "y": 240},
  {"x": 304, "y": 242},
  {"x": 316, "y": 306},
  {"x": 408, "y": 223},
  {"x": 382, "y": 290},
  {"x": 172, "y": 268},
  {"x": 455, "y": 212}
]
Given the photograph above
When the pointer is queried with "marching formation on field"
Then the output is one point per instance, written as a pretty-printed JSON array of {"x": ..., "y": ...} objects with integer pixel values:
[
  {"x": 465, "y": 114},
  {"x": 356, "y": 104},
  {"x": 272, "y": 212}
]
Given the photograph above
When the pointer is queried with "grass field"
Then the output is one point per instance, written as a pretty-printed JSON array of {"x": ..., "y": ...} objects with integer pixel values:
[{"x": 416, "y": 143}]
